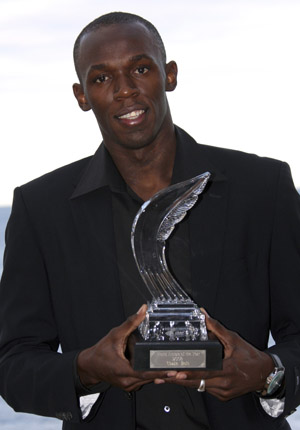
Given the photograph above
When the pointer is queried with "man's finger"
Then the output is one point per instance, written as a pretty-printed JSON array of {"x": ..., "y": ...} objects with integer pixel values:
[
  {"x": 217, "y": 328},
  {"x": 194, "y": 374}
]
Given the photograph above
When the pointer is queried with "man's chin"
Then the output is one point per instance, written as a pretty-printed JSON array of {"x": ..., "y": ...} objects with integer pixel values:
[
  {"x": 138, "y": 141},
  {"x": 134, "y": 145}
]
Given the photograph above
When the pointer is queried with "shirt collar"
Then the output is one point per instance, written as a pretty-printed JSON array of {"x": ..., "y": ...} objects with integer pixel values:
[{"x": 102, "y": 171}]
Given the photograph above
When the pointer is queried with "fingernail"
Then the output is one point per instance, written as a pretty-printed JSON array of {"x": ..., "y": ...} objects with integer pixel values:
[
  {"x": 140, "y": 310},
  {"x": 181, "y": 376},
  {"x": 171, "y": 374},
  {"x": 204, "y": 311}
]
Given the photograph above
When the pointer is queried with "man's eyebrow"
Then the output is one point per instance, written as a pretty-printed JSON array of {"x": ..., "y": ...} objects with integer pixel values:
[
  {"x": 140, "y": 57},
  {"x": 98, "y": 66}
]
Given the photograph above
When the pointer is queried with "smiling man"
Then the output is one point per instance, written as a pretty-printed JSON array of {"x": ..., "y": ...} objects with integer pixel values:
[
  {"x": 123, "y": 79},
  {"x": 70, "y": 278}
]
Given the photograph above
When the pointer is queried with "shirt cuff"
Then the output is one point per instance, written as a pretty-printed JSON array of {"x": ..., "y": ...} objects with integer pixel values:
[
  {"x": 273, "y": 407},
  {"x": 86, "y": 403}
]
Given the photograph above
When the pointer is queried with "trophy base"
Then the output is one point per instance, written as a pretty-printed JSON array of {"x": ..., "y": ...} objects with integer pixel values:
[{"x": 179, "y": 355}]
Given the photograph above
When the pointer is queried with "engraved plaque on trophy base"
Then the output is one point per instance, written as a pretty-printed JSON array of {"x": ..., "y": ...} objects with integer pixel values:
[{"x": 179, "y": 355}]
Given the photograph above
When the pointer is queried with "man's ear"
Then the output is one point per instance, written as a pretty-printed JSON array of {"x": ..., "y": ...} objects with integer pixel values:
[
  {"x": 80, "y": 96},
  {"x": 171, "y": 76}
]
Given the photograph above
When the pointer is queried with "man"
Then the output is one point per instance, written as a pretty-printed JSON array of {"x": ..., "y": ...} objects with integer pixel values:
[{"x": 69, "y": 275}]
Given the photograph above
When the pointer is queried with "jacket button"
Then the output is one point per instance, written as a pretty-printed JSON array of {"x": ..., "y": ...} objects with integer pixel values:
[{"x": 167, "y": 409}]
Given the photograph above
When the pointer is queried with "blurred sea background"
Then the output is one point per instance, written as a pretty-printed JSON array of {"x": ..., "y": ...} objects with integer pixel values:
[{"x": 9, "y": 420}]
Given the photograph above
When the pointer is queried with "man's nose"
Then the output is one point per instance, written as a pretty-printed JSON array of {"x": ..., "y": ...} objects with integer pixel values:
[{"x": 125, "y": 87}]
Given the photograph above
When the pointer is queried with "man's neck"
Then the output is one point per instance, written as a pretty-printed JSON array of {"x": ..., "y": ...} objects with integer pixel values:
[{"x": 147, "y": 170}]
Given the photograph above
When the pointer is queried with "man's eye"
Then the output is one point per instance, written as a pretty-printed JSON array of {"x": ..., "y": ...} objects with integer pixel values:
[
  {"x": 141, "y": 70},
  {"x": 101, "y": 78}
]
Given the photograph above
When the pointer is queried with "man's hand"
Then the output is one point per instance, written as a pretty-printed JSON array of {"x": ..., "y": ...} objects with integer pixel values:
[
  {"x": 245, "y": 368},
  {"x": 106, "y": 360}
]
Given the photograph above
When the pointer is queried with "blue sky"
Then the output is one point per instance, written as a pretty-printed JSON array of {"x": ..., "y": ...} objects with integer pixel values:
[{"x": 238, "y": 83}]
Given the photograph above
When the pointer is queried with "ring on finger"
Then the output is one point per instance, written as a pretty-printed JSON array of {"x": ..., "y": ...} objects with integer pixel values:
[{"x": 201, "y": 387}]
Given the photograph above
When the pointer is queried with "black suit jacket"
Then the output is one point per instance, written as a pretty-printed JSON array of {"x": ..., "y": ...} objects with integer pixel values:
[{"x": 60, "y": 280}]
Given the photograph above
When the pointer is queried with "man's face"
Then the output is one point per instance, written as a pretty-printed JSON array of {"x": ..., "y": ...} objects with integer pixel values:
[{"x": 123, "y": 80}]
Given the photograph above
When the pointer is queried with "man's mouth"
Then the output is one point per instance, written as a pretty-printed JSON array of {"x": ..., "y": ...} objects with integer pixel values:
[{"x": 132, "y": 115}]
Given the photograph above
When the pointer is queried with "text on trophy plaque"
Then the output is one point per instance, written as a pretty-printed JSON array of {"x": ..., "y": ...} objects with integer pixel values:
[{"x": 177, "y": 358}]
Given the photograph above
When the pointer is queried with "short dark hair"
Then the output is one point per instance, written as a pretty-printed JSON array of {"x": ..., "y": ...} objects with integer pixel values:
[{"x": 117, "y": 18}]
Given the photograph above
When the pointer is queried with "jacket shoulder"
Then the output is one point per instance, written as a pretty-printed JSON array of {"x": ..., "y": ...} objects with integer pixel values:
[
  {"x": 224, "y": 157},
  {"x": 246, "y": 170},
  {"x": 59, "y": 181}
]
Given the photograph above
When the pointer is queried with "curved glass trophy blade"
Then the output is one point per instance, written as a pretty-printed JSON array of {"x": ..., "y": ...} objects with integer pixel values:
[{"x": 172, "y": 313}]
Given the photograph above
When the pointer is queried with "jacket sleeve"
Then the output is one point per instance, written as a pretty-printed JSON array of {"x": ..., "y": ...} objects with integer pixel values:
[
  {"x": 285, "y": 285},
  {"x": 34, "y": 377}
]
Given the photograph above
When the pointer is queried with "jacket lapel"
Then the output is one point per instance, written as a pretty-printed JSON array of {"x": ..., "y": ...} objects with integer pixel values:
[
  {"x": 207, "y": 220},
  {"x": 91, "y": 208},
  {"x": 207, "y": 229}
]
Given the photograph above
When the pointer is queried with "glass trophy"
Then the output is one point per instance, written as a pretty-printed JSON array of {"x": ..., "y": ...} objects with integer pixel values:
[{"x": 173, "y": 335}]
